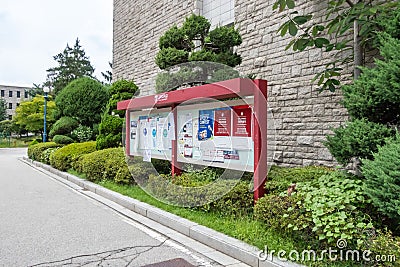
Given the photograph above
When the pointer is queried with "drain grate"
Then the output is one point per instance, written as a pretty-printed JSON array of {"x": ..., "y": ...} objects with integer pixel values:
[{"x": 171, "y": 263}]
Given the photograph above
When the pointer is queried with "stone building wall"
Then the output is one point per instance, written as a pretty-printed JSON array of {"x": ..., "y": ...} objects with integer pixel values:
[{"x": 302, "y": 117}]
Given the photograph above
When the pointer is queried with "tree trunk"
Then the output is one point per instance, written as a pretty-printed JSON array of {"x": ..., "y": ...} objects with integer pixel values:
[{"x": 358, "y": 51}]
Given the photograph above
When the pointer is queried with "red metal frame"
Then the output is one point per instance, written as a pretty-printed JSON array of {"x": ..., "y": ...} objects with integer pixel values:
[{"x": 238, "y": 87}]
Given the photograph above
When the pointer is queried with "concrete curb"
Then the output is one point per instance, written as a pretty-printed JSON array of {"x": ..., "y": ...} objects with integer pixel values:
[{"x": 230, "y": 246}]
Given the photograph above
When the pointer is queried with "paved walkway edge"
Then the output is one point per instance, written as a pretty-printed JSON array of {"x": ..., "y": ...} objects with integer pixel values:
[{"x": 230, "y": 246}]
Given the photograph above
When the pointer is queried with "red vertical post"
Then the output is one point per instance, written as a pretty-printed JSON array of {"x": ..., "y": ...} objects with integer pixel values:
[
  {"x": 175, "y": 165},
  {"x": 260, "y": 137},
  {"x": 127, "y": 132}
]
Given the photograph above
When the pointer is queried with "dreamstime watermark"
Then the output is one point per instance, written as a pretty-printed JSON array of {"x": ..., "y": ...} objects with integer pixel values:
[{"x": 338, "y": 253}]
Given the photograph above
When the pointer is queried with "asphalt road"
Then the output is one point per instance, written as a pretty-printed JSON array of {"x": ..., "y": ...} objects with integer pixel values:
[{"x": 46, "y": 223}]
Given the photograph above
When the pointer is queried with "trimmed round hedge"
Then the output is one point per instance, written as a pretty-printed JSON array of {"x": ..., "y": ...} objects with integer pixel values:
[{"x": 63, "y": 158}]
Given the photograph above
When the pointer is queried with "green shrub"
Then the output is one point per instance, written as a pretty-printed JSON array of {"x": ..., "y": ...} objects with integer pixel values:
[
  {"x": 63, "y": 158},
  {"x": 35, "y": 151},
  {"x": 96, "y": 165},
  {"x": 238, "y": 201},
  {"x": 279, "y": 178},
  {"x": 83, "y": 99},
  {"x": 382, "y": 179},
  {"x": 162, "y": 166},
  {"x": 82, "y": 133},
  {"x": 116, "y": 168},
  {"x": 283, "y": 213},
  {"x": 45, "y": 158},
  {"x": 203, "y": 189},
  {"x": 335, "y": 203},
  {"x": 33, "y": 142},
  {"x": 171, "y": 56},
  {"x": 110, "y": 132},
  {"x": 359, "y": 138},
  {"x": 383, "y": 243},
  {"x": 64, "y": 126},
  {"x": 62, "y": 139},
  {"x": 376, "y": 94}
]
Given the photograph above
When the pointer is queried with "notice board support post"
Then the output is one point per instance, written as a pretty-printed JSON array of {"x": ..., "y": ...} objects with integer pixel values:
[
  {"x": 175, "y": 165},
  {"x": 260, "y": 137},
  {"x": 127, "y": 132}
]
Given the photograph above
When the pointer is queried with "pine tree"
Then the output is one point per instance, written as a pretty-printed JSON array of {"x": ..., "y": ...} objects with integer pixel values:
[{"x": 72, "y": 64}]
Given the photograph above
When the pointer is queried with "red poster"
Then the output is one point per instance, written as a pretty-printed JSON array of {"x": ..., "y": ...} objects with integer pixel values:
[
  {"x": 242, "y": 121},
  {"x": 222, "y": 122}
]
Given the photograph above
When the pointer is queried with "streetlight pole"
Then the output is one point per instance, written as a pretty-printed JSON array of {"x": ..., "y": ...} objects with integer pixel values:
[{"x": 46, "y": 91}]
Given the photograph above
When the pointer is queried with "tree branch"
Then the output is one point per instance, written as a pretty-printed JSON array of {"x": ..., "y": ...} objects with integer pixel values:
[{"x": 351, "y": 4}]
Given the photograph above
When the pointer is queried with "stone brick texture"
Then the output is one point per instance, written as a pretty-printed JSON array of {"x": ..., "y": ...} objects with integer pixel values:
[{"x": 299, "y": 116}]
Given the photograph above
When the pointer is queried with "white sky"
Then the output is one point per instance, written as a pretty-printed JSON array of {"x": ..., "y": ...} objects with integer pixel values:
[{"x": 33, "y": 31}]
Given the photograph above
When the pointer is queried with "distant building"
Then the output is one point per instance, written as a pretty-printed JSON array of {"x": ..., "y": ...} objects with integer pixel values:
[{"x": 13, "y": 95}]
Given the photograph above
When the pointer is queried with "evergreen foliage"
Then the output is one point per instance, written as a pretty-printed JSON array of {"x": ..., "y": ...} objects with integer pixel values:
[
  {"x": 63, "y": 126},
  {"x": 194, "y": 42},
  {"x": 72, "y": 64},
  {"x": 358, "y": 138},
  {"x": 83, "y": 99},
  {"x": 376, "y": 94},
  {"x": 382, "y": 179},
  {"x": 110, "y": 128}
]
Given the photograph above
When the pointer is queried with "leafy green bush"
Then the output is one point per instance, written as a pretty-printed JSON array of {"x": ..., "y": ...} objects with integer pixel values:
[
  {"x": 279, "y": 178},
  {"x": 283, "y": 213},
  {"x": 110, "y": 132},
  {"x": 359, "y": 138},
  {"x": 63, "y": 158},
  {"x": 35, "y": 151},
  {"x": 47, "y": 153},
  {"x": 335, "y": 203},
  {"x": 33, "y": 142},
  {"x": 82, "y": 133},
  {"x": 382, "y": 179},
  {"x": 83, "y": 99},
  {"x": 63, "y": 126},
  {"x": 62, "y": 139},
  {"x": 383, "y": 243},
  {"x": 120, "y": 90},
  {"x": 203, "y": 189},
  {"x": 105, "y": 164}
]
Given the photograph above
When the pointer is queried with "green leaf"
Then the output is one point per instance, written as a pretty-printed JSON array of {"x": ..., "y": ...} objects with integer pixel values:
[
  {"x": 320, "y": 42},
  {"x": 292, "y": 28},
  {"x": 302, "y": 19},
  {"x": 290, "y": 4},
  {"x": 284, "y": 29}
]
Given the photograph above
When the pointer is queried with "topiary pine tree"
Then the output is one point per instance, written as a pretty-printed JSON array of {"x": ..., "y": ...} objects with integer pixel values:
[
  {"x": 195, "y": 42},
  {"x": 110, "y": 128}
]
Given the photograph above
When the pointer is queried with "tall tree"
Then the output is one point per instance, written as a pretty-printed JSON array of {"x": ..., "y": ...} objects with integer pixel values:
[
  {"x": 72, "y": 64},
  {"x": 348, "y": 25},
  {"x": 3, "y": 109}
]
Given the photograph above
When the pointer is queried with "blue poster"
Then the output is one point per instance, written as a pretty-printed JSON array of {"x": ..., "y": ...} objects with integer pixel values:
[{"x": 206, "y": 124}]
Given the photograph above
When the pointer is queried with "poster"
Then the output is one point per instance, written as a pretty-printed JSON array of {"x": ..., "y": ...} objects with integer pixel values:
[
  {"x": 153, "y": 133},
  {"x": 144, "y": 133},
  {"x": 222, "y": 122},
  {"x": 206, "y": 125},
  {"x": 242, "y": 121},
  {"x": 133, "y": 135}
]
